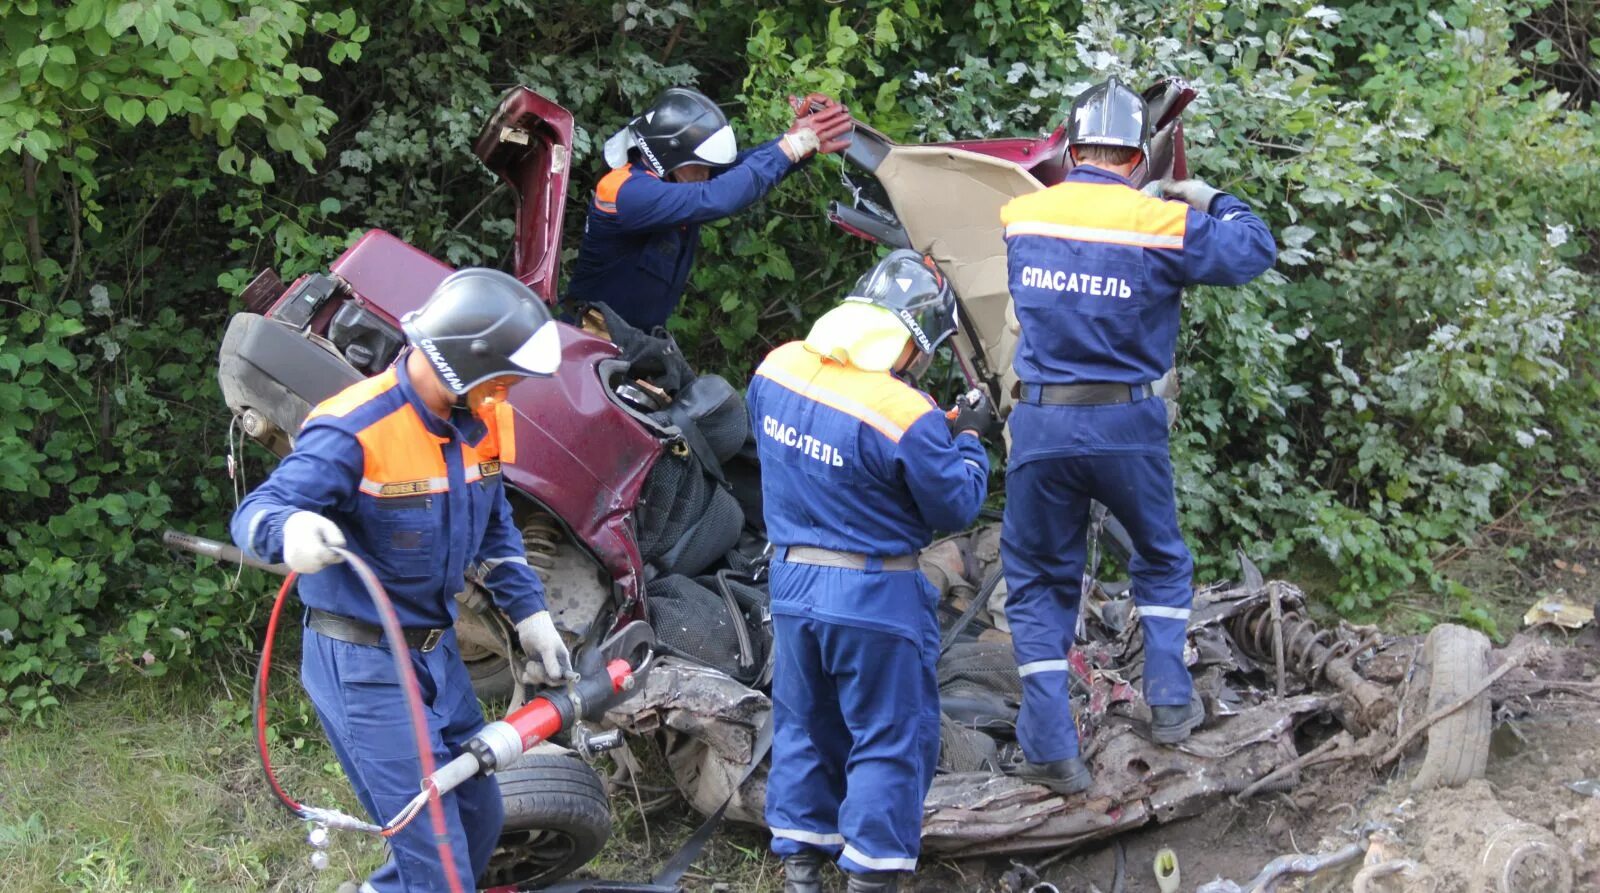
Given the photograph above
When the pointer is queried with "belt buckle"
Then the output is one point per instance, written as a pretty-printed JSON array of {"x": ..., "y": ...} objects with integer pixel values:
[{"x": 432, "y": 641}]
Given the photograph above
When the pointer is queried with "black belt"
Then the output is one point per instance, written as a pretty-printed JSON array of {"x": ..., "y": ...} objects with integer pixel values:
[
  {"x": 360, "y": 632},
  {"x": 1094, "y": 394}
]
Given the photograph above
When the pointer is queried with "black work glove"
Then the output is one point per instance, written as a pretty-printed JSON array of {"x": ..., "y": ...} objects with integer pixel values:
[{"x": 973, "y": 412}]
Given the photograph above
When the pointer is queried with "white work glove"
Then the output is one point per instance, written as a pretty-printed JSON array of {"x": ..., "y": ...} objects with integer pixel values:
[
  {"x": 551, "y": 663},
  {"x": 307, "y": 541},
  {"x": 1197, "y": 193}
]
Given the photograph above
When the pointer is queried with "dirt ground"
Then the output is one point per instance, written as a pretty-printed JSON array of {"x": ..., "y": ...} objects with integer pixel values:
[
  {"x": 1445, "y": 830},
  {"x": 1455, "y": 836}
]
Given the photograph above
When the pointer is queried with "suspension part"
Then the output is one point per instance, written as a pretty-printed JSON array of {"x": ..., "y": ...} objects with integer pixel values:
[
  {"x": 1314, "y": 653},
  {"x": 541, "y": 537},
  {"x": 1307, "y": 647}
]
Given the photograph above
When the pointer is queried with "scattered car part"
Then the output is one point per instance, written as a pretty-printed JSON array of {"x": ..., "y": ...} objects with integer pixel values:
[
  {"x": 1458, "y": 744},
  {"x": 1168, "y": 876},
  {"x": 1297, "y": 863}
]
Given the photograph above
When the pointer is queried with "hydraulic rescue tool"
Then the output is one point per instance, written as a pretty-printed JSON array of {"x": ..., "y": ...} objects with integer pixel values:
[{"x": 608, "y": 673}]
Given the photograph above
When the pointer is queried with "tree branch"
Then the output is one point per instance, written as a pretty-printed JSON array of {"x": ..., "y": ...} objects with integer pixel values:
[{"x": 30, "y": 188}]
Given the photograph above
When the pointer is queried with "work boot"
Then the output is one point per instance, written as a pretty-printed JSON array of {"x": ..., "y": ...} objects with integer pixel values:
[
  {"x": 875, "y": 882},
  {"x": 802, "y": 872},
  {"x": 1068, "y": 776},
  {"x": 1170, "y": 724}
]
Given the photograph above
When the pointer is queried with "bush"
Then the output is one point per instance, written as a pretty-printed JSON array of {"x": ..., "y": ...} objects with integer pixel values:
[{"x": 1421, "y": 356}]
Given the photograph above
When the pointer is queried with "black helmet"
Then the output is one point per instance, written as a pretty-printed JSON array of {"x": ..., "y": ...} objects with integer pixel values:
[
  {"x": 908, "y": 285},
  {"x": 480, "y": 324},
  {"x": 683, "y": 127},
  {"x": 1109, "y": 114}
]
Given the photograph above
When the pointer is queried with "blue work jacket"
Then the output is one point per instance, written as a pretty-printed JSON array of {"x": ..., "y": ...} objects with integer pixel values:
[
  {"x": 859, "y": 462},
  {"x": 1097, "y": 270},
  {"x": 420, "y": 498},
  {"x": 641, "y": 232}
]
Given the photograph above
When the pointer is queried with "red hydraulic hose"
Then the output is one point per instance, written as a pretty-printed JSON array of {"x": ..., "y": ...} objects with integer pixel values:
[
  {"x": 258, "y": 698},
  {"x": 399, "y": 651}
]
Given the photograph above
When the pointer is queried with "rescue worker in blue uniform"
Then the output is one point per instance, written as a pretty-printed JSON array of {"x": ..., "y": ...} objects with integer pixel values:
[
  {"x": 858, "y": 469},
  {"x": 1097, "y": 269},
  {"x": 404, "y": 470},
  {"x": 675, "y": 167}
]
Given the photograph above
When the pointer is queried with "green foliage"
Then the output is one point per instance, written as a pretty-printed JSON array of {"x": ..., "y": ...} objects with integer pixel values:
[
  {"x": 121, "y": 121},
  {"x": 1421, "y": 357}
]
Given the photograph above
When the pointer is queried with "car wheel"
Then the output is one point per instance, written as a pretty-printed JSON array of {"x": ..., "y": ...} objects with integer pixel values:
[
  {"x": 1458, "y": 745},
  {"x": 557, "y": 819},
  {"x": 488, "y": 667}
]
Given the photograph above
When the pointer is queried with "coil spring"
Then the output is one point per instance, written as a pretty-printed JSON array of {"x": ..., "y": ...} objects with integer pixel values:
[
  {"x": 541, "y": 536},
  {"x": 1307, "y": 647}
]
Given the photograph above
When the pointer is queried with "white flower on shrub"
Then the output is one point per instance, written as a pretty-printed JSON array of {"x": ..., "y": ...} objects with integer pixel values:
[{"x": 1557, "y": 235}]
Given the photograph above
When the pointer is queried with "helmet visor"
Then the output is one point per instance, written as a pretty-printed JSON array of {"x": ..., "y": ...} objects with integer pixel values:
[
  {"x": 720, "y": 148},
  {"x": 541, "y": 353}
]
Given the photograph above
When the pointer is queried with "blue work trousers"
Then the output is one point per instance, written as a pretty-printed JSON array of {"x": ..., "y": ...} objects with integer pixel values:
[
  {"x": 1042, "y": 545},
  {"x": 360, "y": 702},
  {"x": 855, "y": 729}
]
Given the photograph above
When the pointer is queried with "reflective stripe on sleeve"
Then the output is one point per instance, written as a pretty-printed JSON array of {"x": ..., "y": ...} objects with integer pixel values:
[{"x": 489, "y": 564}]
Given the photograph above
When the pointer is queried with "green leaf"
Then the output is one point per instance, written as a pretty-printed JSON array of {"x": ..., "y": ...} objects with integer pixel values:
[
  {"x": 122, "y": 19},
  {"x": 204, "y": 50},
  {"x": 260, "y": 171},
  {"x": 179, "y": 47},
  {"x": 230, "y": 160},
  {"x": 63, "y": 55},
  {"x": 60, "y": 76},
  {"x": 98, "y": 41},
  {"x": 287, "y": 136},
  {"x": 148, "y": 24},
  {"x": 37, "y": 145},
  {"x": 156, "y": 110},
  {"x": 133, "y": 111}
]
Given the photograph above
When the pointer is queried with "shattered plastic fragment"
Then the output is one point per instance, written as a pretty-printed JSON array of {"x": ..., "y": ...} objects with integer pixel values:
[
  {"x": 1589, "y": 787},
  {"x": 1558, "y": 610}
]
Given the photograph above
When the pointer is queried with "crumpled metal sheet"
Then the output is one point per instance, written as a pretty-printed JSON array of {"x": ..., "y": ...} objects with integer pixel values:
[
  {"x": 698, "y": 701},
  {"x": 1135, "y": 782},
  {"x": 707, "y": 724}
]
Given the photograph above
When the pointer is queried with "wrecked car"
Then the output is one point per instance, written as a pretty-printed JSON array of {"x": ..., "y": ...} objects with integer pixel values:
[{"x": 638, "y": 497}]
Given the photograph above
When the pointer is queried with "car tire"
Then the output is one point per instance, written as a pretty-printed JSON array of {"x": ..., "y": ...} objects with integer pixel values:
[
  {"x": 490, "y": 671},
  {"x": 1458, "y": 745},
  {"x": 491, "y": 677},
  {"x": 557, "y": 819}
]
